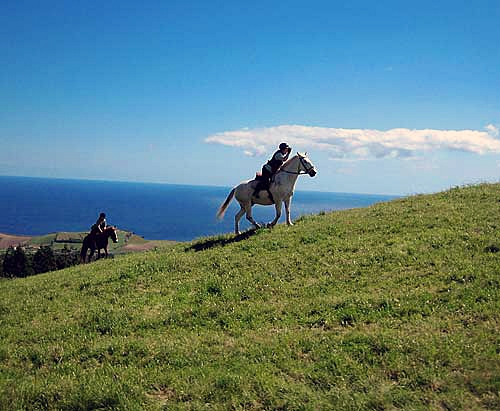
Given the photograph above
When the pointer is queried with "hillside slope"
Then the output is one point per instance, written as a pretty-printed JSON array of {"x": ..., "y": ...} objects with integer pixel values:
[{"x": 395, "y": 306}]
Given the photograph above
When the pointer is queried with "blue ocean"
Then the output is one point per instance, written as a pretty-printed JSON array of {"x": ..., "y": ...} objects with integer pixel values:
[{"x": 37, "y": 206}]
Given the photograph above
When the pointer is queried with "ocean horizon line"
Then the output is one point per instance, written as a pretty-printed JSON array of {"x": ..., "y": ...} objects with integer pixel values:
[
  {"x": 35, "y": 206},
  {"x": 210, "y": 186}
]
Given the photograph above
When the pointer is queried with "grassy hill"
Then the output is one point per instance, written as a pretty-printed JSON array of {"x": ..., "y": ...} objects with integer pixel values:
[{"x": 395, "y": 306}]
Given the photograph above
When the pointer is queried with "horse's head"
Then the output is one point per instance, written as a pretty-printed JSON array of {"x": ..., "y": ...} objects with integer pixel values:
[
  {"x": 306, "y": 165},
  {"x": 112, "y": 232}
]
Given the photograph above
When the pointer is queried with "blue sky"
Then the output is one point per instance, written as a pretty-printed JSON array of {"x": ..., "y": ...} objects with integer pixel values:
[{"x": 392, "y": 97}]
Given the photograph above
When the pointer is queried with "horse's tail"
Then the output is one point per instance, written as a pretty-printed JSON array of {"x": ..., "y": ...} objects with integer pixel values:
[
  {"x": 223, "y": 207},
  {"x": 83, "y": 251}
]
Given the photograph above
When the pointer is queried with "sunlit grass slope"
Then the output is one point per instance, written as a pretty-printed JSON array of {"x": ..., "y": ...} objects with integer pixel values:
[{"x": 396, "y": 306}]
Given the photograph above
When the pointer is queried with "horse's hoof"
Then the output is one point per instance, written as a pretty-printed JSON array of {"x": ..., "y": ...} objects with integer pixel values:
[
  {"x": 257, "y": 226},
  {"x": 237, "y": 233}
]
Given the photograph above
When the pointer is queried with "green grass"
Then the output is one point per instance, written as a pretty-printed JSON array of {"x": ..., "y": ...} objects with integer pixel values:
[
  {"x": 395, "y": 306},
  {"x": 43, "y": 240}
]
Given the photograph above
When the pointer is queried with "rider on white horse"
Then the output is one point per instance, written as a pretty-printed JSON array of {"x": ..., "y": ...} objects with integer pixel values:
[
  {"x": 271, "y": 167},
  {"x": 280, "y": 191}
]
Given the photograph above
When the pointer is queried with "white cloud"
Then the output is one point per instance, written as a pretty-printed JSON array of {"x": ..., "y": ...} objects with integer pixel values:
[
  {"x": 360, "y": 143},
  {"x": 492, "y": 130}
]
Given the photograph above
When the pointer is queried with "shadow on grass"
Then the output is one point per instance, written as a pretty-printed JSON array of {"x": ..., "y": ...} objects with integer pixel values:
[{"x": 220, "y": 242}]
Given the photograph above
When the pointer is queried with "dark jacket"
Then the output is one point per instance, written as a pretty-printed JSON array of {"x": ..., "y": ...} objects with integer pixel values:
[{"x": 276, "y": 161}]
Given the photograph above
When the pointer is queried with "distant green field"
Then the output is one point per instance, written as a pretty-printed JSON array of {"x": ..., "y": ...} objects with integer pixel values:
[
  {"x": 391, "y": 307},
  {"x": 74, "y": 240}
]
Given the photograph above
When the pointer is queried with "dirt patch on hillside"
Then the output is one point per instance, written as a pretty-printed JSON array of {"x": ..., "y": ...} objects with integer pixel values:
[
  {"x": 148, "y": 245},
  {"x": 7, "y": 240}
]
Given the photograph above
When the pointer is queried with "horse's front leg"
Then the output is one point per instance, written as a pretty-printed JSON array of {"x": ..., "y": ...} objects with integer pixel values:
[
  {"x": 105, "y": 252},
  {"x": 277, "y": 206},
  {"x": 287, "y": 210}
]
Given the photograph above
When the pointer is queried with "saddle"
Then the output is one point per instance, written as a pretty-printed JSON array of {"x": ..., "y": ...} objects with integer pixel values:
[
  {"x": 262, "y": 184},
  {"x": 259, "y": 176}
]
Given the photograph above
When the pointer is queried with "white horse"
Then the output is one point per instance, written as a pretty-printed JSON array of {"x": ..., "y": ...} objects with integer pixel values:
[{"x": 281, "y": 188}]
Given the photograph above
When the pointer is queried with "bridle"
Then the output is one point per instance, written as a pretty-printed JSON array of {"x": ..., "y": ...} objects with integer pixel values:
[
  {"x": 307, "y": 170},
  {"x": 113, "y": 234},
  {"x": 108, "y": 232}
]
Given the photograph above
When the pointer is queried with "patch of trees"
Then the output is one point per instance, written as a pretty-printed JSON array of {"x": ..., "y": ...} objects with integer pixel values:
[{"x": 19, "y": 263}]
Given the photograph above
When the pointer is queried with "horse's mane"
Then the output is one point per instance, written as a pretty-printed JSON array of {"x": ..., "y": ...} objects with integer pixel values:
[{"x": 298, "y": 155}]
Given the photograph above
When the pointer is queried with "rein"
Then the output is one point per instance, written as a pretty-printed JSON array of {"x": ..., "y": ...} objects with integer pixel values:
[{"x": 298, "y": 172}]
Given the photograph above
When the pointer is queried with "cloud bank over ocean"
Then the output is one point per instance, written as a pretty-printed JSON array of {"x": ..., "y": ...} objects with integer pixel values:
[{"x": 359, "y": 144}]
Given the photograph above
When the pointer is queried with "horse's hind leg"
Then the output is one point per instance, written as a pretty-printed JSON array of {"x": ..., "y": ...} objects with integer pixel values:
[
  {"x": 237, "y": 218},
  {"x": 249, "y": 216}
]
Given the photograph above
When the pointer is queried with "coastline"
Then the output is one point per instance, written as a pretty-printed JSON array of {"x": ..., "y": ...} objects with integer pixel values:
[
  {"x": 127, "y": 241},
  {"x": 7, "y": 240}
]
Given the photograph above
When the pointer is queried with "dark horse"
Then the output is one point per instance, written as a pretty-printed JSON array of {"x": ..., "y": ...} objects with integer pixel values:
[{"x": 101, "y": 240}]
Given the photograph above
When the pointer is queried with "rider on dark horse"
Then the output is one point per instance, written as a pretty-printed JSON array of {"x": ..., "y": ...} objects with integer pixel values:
[
  {"x": 271, "y": 167},
  {"x": 97, "y": 228},
  {"x": 97, "y": 239}
]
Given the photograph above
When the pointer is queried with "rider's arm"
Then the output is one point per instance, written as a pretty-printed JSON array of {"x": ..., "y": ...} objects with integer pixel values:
[
  {"x": 280, "y": 157},
  {"x": 285, "y": 157}
]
